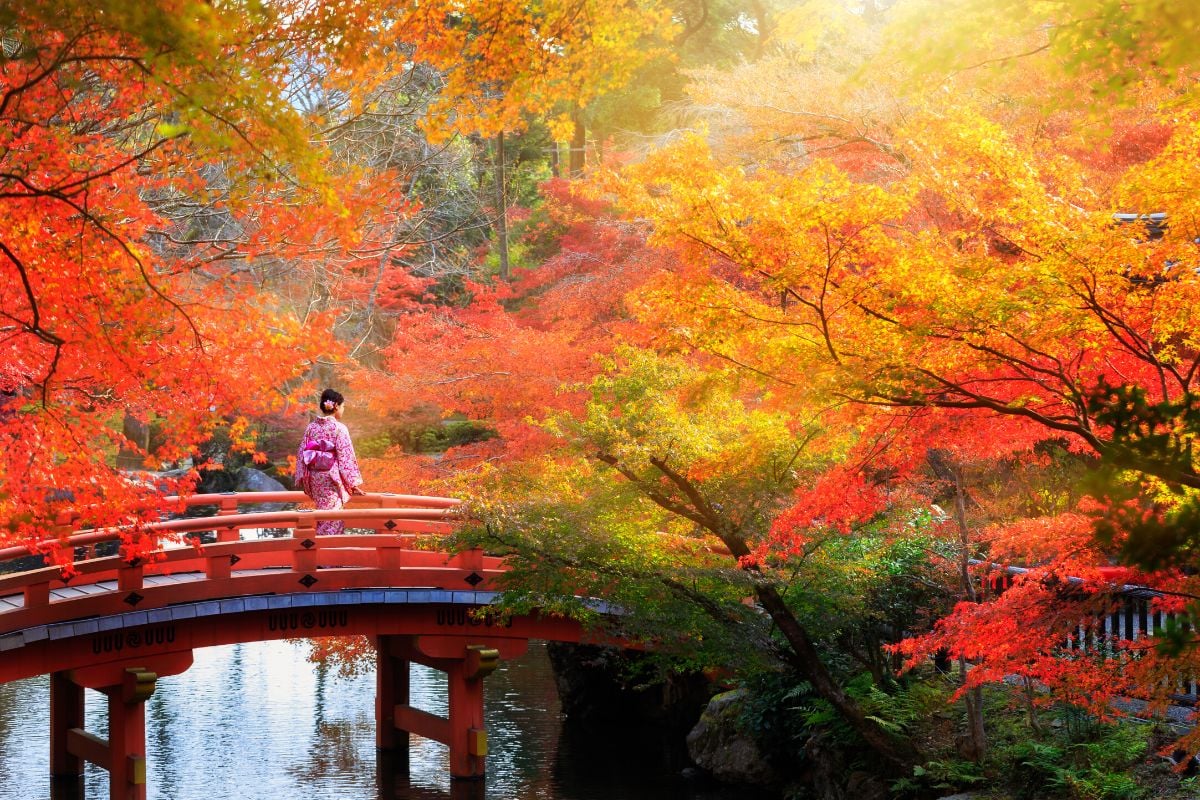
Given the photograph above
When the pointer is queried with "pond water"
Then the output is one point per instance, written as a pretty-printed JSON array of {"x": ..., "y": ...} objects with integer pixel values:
[{"x": 259, "y": 722}]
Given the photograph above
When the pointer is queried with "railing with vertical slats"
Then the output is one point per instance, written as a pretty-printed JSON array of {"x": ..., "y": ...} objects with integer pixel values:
[{"x": 1134, "y": 619}]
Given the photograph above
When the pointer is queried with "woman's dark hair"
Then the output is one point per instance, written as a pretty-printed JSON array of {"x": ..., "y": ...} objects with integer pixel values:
[{"x": 330, "y": 399}]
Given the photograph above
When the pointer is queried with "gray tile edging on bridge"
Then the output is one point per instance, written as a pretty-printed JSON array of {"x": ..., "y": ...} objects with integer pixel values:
[{"x": 236, "y": 605}]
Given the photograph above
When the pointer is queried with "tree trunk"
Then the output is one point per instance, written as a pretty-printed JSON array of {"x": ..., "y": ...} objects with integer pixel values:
[
  {"x": 976, "y": 748},
  {"x": 764, "y": 26},
  {"x": 501, "y": 209},
  {"x": 137, "y": 433},
  {"x": 1030, "y": 708},
  {"x": 576, "y": 161},
  {"x": 479, "y": 159},
  {"x": 801, "y": 653},
  {"x": 900, "y": 753}
]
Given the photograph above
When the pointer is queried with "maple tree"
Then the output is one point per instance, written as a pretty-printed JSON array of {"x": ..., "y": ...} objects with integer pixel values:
[
  {"x": 841, "y": 304},
  {"x": 699, "y": 473},
  {"x": 194, "y": 220},
  {"x": 98, "y": 322},
  {"x": 926, "y": 278},
  {"x": 957, "y": 276}
]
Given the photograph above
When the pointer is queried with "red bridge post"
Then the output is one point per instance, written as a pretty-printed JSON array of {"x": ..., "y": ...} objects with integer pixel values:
[
  {"x": 468, "y": 736},
  {"x": 123, "y": 754},
  {"x": 305, "y": 559},
  {"x": 66, "y": 712},
  {"x": 127, "y": 734},
  {"x": 466, "y": 663},
  {"x": 391, "y": 690}
]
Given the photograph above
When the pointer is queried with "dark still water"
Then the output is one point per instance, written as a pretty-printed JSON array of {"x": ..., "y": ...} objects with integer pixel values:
[{"x": 258, "y": 722}]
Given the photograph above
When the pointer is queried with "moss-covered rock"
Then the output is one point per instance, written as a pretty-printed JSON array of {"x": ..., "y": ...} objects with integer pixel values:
[{"x": 719, "y": 745}]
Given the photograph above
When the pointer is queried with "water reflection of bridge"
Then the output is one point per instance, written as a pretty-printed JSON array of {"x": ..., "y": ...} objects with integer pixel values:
[{"x": 117, "y": 624}]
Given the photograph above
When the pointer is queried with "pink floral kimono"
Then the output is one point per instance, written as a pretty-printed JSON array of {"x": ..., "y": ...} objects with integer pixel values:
[{"x": 329, "y": 489}]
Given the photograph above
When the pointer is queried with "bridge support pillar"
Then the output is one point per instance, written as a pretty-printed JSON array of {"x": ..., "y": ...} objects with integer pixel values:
[
  {"x": 466, "y": 662},
  {"x": 127, "y": 735},
  {"x": 123, "y": 754},
  {"x": 66, "y": 712},
  {"x": 468, "y": 736},
  {"x": 391, "y": 690}
]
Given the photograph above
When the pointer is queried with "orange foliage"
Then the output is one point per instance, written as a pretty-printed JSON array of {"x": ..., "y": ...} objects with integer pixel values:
[
  {"x": 518, "y": 353},
  {"x": 173, "y": 246}
]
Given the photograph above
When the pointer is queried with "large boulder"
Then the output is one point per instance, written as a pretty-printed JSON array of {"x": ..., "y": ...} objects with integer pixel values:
[
  {"x": 255, "y": 480},
  {"x": 137, "y": 433},
  {"x": 720, "y": 746}
]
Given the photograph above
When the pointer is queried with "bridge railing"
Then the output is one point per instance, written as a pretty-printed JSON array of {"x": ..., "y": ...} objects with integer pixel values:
[
  {"x": 399, "y": 549},
  {"x": 228, "y": 504},
  {"x": 1132, "y": 618}
]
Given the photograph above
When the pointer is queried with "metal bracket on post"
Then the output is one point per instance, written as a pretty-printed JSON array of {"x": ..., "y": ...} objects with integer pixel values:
[
  {"x": 480, "y": 662},
  {"x": 477, "y": 742},
  {"x": 138, "y": 685}
]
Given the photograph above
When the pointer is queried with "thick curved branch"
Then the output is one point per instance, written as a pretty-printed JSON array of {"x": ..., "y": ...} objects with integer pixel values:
[
  {"x": 975, "y": 400},
  {"x": 100, "y": 226},
  {"x": 648, "y": 489},
  {"x": 35, "y": 325}
]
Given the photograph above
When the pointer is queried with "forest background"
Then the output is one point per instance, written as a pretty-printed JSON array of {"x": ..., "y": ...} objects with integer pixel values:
[{"x": 785, "y": 324}]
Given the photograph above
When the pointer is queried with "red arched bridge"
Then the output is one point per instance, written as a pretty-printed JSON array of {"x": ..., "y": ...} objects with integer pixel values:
[{"x": 117, "y": 625}]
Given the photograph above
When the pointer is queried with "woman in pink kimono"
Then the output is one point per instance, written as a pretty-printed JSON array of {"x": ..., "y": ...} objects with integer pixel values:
[{"x": 326, "y": 468}]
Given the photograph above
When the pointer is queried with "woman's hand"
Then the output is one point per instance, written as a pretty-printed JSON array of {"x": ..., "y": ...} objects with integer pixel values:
[{"x": 356, "y": 490}]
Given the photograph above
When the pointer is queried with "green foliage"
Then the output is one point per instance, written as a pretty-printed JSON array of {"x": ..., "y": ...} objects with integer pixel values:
[
  {"x": 422, "y": 436},
  {"x": 775, "y": 713},
  {"x": 1149, "y": 459},
  {"x": 570, "y": 534},
  {"x": 373, "y": 446},
  {"x": 452, "y": 433},
  {"x": 939, "y": 776},
  {"x": 518, "y": 258},
  {"x": 540, "y": 234},
  {"x": 1115, "y": 44},
  {"x": 900, "y": 711},
  {"x": 862, "y": 591},
  {"x": 696, "y": 420},
  {"x": 221, "y": 459},
  {"x": 1096, "y": 768},
  {"x": 1035, "y": 765},
  {"x": 1077, "y": 759},
  {"x": 782, "y": 713},
  {"x": 716, "y": 33}
]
